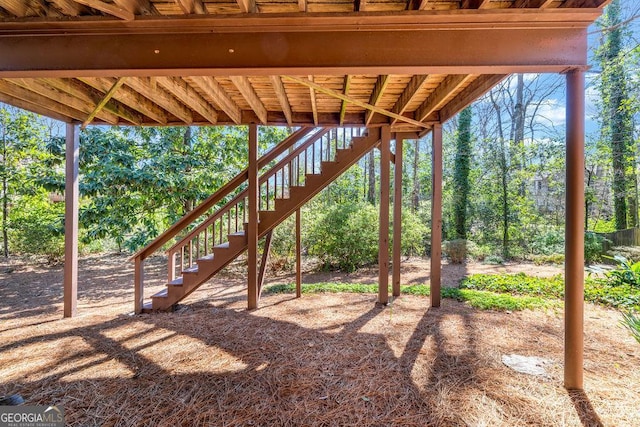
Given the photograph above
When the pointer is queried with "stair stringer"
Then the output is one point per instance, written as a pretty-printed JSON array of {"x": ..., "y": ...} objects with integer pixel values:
[{"x": 208, "y": 266}]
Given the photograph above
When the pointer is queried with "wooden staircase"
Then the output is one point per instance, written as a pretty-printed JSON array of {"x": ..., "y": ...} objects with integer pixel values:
[{"x": 293, "y": 181}]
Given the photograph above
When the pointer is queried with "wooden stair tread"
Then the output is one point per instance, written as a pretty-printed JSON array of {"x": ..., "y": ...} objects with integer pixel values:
[{"x": 162, "y": 294}]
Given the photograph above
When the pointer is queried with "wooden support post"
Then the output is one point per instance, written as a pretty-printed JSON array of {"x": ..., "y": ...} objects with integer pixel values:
[
  {"x": 298, "y": 256},
  {"x": 383, "y": 251},
  {"x": 436, "y": 214},
  {"x": 574, "y": 234},
  {"x": 263, "y": 263},
  {"x": 138, "y": 283},
  {"x": 71, "y": 193},
  {"x": 397, "y": 216},
  {"x": 252, "y": 229}
]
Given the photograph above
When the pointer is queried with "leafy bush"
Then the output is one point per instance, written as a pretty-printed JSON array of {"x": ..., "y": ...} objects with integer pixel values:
[
  {"x": 632, "y": 322},
  {"x": 37, "y": 227},
  {"x": 483, "y": 300},
  {"x": 548, "y": 243},
  {"x": 593, "y": 247},
  {"x": 598, "y": 291},
  {"x": 345, "y": 236},
  {"x": 494, "y": 260},
  {"x": 548, "y": 259},
  {"x": 627, "y": 273},
  {"x": 414, "y": 234}
]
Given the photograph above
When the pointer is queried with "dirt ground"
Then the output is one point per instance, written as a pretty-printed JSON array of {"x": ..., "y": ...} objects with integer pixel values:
[{"x": 325, "y": 360}]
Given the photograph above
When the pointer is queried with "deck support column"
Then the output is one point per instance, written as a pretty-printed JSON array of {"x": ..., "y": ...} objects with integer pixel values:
[
  {"x": 574, "y": 233},
  {"x": 383, "y": 251},
  {"x": 436, "y": 214},
  {"x": 397, "y": 216},
  {"x": 71, "y": 193},
  {"x": 252, "y": 228},
  {"x": 298, "y": 256}
]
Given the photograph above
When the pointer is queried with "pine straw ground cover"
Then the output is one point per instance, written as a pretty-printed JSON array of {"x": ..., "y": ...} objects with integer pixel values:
[{"x": 325, "y": 359}]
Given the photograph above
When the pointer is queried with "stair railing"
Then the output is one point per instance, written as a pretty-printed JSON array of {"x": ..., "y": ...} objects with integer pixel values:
[
  {"x": 232, "y": 217},
  {"x": 203, "y": 210}
]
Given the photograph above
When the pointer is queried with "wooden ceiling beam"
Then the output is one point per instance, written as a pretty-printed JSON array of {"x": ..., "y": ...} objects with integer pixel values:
[
  {"x": 357, "y": 102},
  {"x": 29, "y": 96},
  {"x": 190, "y": 7},
  {"x": 138, "y": 7},
  {"x": 218, "y": 95},
  {"x": 414, "y": 85},
  {"x": 302, "y": 5},
  {"x": 281, "y": 94},
  {"x": 247, "y": 6},
  {"x": 244, "y": 86},
  {"x": 21, "y": 8},
  {"x": 147, "y": 88},
  {"x": 496, "y": 51},
  {"x": 109, "y": 8},
  {"x": 90, "y": 95},
  {"x": 376, "y": 94},
  {"x": 63, "y": 98},
  {"x": 440, "y": 94},
  {"x": 533, "y": 4},
  {"x": 128, "y": 97},
  {"x": 187, "y": 95},
  {"x": 343, "y": 107}
]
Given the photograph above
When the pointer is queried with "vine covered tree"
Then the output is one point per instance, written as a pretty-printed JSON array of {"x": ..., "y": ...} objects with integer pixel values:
[{"x": 461, "y": 185}]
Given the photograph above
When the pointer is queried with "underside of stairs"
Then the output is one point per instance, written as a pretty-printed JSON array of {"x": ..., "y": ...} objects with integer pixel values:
[{"x": 198, "y": 263}]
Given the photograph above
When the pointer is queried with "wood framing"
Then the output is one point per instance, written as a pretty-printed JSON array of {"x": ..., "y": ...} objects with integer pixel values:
[
  {"x": 71, "y": 200},
  {"x": 436, "y": 214},
  {"x": 397, "y": 216},
  {"x": 298, "y": 254},
  {"x": 252, "y": 227},
  {"x": 383, "y": 247},
  {"x": 574, "y": 233}
]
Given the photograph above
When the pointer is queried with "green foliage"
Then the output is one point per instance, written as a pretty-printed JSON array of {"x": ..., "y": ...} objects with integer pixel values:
[
  {"x": 631, "y": 321},
  {"x": 548, "y": 259},
  {"x": 482, "y": 300},
  {"x": 593, "y": 247},
  {"x": 345, "y": 236},
  {"x": 596, "y": 290},
  {"x": 548, "y": 242},
  {"x": 461, "y": 186},
  {"x": 37, "y": 226},
  {"x": 414, "y": 235},
  {"x": 627, "y": 273}
]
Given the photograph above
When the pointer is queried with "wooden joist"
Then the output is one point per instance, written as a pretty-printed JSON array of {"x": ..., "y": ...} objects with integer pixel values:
[
  {"x": 192, "y": 6},
  {"x": 440, "y": 94},
  {"x": 415, "y": 84},
  {"x": 281, "y": 94},
  {"x": 343, "y": 107},
  {"x": 128, "y": 97},
  {"x": 63, "y": 98},
  {"x": 149, "y": 89},
  {"x": 244, "y": 86},
  {"x": 247, "y": 6},
  {"x": 109, "y": 8},
  {"x": 314, "y": 104},
  {"x": 100, "y": 105},
  {"x": 213, "y": 90},
  {"x": 534, "y": 4},
  {"x": 186, "y": 94},
  {"x": 376, "y": 94}
]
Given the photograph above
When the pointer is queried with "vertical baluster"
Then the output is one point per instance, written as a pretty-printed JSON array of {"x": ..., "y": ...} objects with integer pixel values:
[
  {"x": 236, "y": 209},
  {"x": 313, "y": 158},
  {"x": 206, "y": 240},
  {"x": 181, "y": 265},
  {"x": 220, "y": 228},
  {"x": 171, "y": 268},
  {"x": 228, "y": 223}
]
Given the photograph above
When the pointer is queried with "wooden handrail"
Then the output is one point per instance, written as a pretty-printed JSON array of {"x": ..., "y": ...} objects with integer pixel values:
[
  {"x": 227, "y": 207},
  {"x": 218, "y": 195}
]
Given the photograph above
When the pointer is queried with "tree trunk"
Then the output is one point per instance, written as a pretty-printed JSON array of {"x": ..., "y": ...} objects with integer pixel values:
[
  {"x": 461, "y": 173},
  {"x": 186, "y": 141},
  {"x": 5, "y": 197},
  {"x": 504, "y": 180}
]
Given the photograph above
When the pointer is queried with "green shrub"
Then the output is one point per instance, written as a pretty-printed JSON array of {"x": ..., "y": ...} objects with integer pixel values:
[
  {"x": 548, "y": 259},
  {"x": 598, "y": 291},
  {"x": 345, "y": 236},
  {"x": 548, "y": 243},
  {"x": 593, "y": 247},
  {"x": 37, "y": 227},
  {"x": 632, "y": 322},
  {"x": 494, "y": 260},
  {"x": 414, "y": 235}
]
